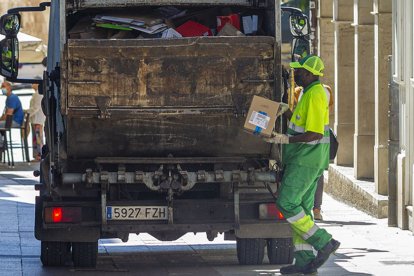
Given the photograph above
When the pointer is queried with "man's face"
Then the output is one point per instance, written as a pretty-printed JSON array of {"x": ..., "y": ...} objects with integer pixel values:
[
  {"x": 300, "y": 76},
  {"x": 7, "y": 86}
]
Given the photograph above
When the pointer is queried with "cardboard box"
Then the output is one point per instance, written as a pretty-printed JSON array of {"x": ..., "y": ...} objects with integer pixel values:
[{"x": 261, "y": 117}]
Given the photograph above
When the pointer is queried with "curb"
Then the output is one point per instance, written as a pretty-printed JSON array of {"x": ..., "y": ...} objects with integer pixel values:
[{"x": 360, "y": 194}]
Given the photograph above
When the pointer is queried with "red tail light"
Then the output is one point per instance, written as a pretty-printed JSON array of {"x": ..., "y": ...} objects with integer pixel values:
[
  {"x": 63, "y": 214},
  {"x": 57, "y": 214},
  {"x": 270, "y": 211}
]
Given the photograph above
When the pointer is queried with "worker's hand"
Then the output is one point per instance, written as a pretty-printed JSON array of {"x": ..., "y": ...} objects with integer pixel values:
[
  {"x": 283, "y": 107},
  {"x": 277, "y": 138}
]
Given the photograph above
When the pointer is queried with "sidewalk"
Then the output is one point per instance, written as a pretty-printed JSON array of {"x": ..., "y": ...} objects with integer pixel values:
[{"x": 368, "y": 245}]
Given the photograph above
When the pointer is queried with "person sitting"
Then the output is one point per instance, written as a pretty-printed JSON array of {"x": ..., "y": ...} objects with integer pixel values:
[{"x": 13, "y": 107}]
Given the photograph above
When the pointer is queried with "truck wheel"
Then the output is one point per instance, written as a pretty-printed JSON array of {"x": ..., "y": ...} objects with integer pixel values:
[
  {"x": 250, "y": 251},
  {"x": 84, "y": 254},
  {"x": 280, "y": 251},
  {"x": 54, "y": 253}
]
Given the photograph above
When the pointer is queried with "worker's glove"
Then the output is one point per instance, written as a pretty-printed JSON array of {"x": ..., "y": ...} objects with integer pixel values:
[
  {"x": 277, "y": 138},
  {"x": 283, "y": 107}
]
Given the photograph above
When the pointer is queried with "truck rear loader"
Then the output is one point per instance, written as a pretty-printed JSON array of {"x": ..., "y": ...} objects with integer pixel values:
[{"x": 145, "y": 134}]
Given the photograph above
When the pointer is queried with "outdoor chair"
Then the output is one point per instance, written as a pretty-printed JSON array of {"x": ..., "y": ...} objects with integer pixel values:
[
  {"x": 7, "y": 140},
  {"x": 9, "y": 144}
]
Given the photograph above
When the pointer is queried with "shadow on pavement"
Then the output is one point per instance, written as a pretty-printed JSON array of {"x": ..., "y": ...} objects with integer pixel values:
[{"x": 20, "y": 179}]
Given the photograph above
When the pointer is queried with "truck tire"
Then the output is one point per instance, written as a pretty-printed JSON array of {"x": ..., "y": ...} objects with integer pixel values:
[
  {"x": 280, "y": 251},
  {"x": 84, "y": 254},
  {"x": 250, "y": 251},
  {"x": 54, "y": 253}
]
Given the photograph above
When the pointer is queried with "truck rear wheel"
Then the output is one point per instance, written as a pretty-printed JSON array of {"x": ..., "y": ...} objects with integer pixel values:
[
  {"x": 54, "y": 253},
  {"x": 250, "y": 251},
  {"x": 280, "y": 251},
  {"x": 84, "y": 254}
]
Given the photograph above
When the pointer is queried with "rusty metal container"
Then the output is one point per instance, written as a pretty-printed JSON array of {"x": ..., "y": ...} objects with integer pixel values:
[{"x": 157, "y": 98}]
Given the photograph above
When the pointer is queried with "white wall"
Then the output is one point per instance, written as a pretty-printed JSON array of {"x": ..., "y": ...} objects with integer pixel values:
[{"x": 403, "y": 74}]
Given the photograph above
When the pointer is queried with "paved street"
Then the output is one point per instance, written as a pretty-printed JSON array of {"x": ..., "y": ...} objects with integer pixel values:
[{"x": 368, "y": 247}]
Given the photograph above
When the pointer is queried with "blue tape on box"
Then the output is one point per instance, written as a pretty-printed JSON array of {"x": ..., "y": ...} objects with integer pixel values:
[{"x": 258, "y": 129}]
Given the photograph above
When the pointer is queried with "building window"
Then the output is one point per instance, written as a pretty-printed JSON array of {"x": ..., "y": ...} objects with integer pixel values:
[
  {"x": 412, "y": 41},
  {"x": 402, "y": 39},
  {"x": 399, "y": 40},
  {"x": 395, "y": 39}
]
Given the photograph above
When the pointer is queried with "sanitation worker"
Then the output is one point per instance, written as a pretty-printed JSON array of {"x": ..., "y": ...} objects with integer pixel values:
[
  {"x": 305, "y": 156},
  {"x": 317, "y": 212}
]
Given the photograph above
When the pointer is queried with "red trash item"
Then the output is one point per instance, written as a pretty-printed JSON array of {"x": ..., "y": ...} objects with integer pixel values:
[
  {"x": 192, "y": 28},
  {"x": 233, "y": 19}
]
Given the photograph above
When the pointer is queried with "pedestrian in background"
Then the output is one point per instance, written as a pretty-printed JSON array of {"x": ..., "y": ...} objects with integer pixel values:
[
  {"x": 13, "y": 106},
  {"x": 37, "y": 121}
]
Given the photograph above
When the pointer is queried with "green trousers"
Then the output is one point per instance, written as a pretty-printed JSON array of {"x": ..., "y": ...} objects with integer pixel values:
[{"x": 295, "y": 201}]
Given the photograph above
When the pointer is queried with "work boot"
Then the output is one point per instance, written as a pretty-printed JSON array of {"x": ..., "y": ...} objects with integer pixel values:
[
  {"x": 317, "y": 214},
  {"x": 325, "y": 252},
  {"x": 294, "y": 269}
]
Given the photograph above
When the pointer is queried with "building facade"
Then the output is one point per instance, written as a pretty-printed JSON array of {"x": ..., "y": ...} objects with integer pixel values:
[
  {"x": 367, "y": 46},
  {"x": 33, "y": 23},
  {"x": 402, "y": 87}
]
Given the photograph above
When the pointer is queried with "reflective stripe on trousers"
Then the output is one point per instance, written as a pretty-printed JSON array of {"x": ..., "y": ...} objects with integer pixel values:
[
  {"x": 305, "y": 224},
  {"x": 295, "y": 201},
  {"x": 303, "y": 252}
]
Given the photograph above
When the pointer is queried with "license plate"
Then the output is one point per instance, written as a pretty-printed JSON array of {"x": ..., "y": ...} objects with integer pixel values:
[{"x": 136, "y": 213}]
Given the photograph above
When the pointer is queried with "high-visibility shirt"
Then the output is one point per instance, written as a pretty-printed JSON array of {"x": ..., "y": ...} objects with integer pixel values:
[
  {"x": 329, "y": 94},
  {"x": 310, "y": 114}
]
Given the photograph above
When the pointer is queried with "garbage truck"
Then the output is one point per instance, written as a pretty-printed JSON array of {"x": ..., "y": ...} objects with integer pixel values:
[{"x": 145, "y": 104}]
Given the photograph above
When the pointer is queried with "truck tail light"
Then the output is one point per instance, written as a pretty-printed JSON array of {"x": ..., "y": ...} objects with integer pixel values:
[
  {"x": 63, "y": 214},
  {"x": 270, "y": 211}
]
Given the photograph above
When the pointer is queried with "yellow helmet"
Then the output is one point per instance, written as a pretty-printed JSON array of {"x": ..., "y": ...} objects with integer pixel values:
[{"x": 312, "y": 63}]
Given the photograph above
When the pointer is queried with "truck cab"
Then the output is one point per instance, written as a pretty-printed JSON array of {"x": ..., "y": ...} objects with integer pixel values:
[{"x": 144, "y": 134}]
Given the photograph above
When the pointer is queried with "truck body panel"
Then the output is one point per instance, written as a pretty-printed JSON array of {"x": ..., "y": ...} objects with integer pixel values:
[
  {"x": 184, "y": 97},
  {"x": 84, "y": 4}
]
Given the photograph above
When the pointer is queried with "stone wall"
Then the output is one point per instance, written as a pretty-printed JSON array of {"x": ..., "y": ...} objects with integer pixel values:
[{"x": 33, "y": 23}]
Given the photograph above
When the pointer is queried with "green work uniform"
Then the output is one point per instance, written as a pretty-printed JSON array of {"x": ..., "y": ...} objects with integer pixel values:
[{"x": 304, "y": 163}]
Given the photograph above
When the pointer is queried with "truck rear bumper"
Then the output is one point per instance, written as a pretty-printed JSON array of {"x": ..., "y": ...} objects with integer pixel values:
[
  {"x": 257, "y": 229},
  {"x": 214, "y": 216}
]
